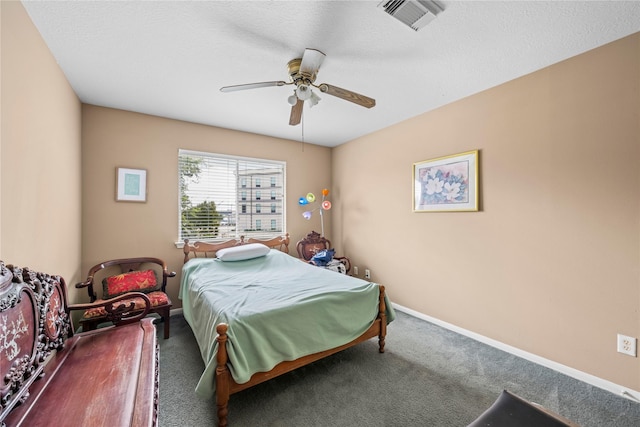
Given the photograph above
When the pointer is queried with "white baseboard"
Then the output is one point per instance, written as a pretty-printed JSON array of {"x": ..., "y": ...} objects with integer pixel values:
[
  {"x": 174, "y": 311},
  {"x": 630, "y": 394}
]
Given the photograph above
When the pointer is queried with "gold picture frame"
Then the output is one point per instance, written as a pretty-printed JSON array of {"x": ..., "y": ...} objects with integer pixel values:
[
  {"x": 131, "y": 185},
  {"x": 446, "y": 184}
]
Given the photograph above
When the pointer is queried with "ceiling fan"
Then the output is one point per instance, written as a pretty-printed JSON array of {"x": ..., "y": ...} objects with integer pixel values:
[{"x": 302, "y": 73}]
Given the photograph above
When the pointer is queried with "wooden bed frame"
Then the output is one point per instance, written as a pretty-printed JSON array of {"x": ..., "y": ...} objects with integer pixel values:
[{"x": 225, "y": 384}]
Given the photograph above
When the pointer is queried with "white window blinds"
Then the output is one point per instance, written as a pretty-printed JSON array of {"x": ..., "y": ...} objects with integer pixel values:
[{"x": 220, "y": 197}]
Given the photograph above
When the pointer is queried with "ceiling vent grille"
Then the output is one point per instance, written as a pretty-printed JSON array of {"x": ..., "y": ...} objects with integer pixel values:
[{"x": 413, "y": 13}]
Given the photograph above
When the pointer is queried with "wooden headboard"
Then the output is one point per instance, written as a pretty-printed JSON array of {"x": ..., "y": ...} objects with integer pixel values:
[{"x": 204, "y": 249}]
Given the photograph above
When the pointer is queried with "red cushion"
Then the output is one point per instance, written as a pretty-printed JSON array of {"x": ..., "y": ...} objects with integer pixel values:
[
  {"x": 139, "y": 281},
  {"x": 157, "y": 298}
]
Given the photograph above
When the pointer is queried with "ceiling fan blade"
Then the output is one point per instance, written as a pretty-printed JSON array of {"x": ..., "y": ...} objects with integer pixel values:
[
  {"x": 311, "y": 61},
  {"x": 347, "y": 95},
  {"x": 296, "y": 113},
  {"x": 252, "y": 86}
]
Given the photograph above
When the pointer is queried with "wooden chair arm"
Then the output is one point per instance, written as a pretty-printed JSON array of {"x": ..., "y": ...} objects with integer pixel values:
[
  {"x": 119, "y": 313},
  {"x": 84, "y": 284},
  {"x": 166, "y": 274},
  {"x": 88, "y": 283}
]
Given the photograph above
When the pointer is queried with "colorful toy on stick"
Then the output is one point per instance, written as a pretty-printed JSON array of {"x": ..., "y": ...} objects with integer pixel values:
[{"x": 325, "y": 205}]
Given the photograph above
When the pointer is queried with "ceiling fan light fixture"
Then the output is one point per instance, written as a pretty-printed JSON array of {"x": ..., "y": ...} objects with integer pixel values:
[
  {"x": 313, "y": 99},
  {"x": 303, "y": 92},
  {"x": 293, "y": 99}
]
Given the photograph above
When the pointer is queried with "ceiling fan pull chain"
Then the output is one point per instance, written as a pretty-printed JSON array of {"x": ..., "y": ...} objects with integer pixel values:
[{"x": 302, "y": 128}]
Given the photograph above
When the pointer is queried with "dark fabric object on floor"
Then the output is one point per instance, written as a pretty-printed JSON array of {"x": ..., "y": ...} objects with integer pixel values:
[{"x": 510, "y": 410}]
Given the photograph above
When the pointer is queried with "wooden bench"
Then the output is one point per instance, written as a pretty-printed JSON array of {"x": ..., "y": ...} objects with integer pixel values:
[{"x": 50, "y": 375}]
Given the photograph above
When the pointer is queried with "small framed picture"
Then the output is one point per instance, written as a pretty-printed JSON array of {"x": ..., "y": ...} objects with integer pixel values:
[
  {"x": 131, "y": 185},
  {"x": 446, "y": 184}
]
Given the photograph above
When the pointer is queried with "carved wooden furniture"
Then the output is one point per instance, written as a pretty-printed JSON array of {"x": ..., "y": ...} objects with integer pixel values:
[
  {"x": 50, "y": 375},
  {"x": 204, "y": 249},
  {"x": 313, "y": 243},
  {"x": 225, "y": 385},
  {"x": 98, "y": 274}
]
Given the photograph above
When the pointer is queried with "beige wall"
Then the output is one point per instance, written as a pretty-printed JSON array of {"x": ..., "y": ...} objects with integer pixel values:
[
  {"x": 551, "y": 263},
  {"x": 114, "y": 138},
  {"x": 40, "y": 146}
]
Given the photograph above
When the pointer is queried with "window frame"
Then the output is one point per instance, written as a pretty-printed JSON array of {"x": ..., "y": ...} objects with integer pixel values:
[{"x": 242, "y": 184}]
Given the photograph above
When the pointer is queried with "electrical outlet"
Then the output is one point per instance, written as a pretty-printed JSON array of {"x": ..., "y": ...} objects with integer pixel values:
[
  {"x": 367, "y": 274},
  {"x": 355, "y": 270},
  {"x": 627, "y": 345}
]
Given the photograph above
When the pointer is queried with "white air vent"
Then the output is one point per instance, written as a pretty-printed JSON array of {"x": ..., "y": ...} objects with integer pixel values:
[{"x": 414, "y": 13}]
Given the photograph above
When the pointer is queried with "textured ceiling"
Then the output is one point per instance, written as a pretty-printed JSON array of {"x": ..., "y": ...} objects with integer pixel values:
[{"x": 170, "y": 58}]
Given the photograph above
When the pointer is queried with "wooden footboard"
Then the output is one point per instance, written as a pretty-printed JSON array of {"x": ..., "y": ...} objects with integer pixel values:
[{"x": 226, "y": 386}]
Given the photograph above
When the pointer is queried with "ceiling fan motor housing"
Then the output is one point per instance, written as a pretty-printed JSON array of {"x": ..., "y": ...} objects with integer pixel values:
[{"x": 298, "y": 77}]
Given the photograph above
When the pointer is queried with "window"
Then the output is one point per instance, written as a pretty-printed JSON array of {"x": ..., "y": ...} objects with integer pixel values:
[
  {"x": 273, "y": 195},
  {"x": 217, "y": 201}
]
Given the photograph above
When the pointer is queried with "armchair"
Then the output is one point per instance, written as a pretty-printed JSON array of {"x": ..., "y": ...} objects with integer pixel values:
[
  {"x": 119, "y": 276},
  {"x": 314, "y": 243}
]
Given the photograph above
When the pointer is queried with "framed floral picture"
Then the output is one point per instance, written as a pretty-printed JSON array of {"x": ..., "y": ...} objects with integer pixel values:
[
  {"x": 446, "y": 184},
  {"x": 131, "y": 185}
]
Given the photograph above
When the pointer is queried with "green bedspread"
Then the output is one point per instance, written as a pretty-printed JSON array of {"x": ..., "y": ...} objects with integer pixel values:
[{"x": 277, "y": 307}]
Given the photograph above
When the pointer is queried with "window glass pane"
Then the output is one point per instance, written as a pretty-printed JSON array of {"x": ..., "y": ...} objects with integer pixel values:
[{"x": 218, "y": 201}]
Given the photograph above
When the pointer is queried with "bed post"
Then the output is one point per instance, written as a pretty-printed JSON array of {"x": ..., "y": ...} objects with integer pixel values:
[
  {"x": 222, "y": 376},
  {"x": 382, "y": 315},
  {"x": 185, "y": 249}
]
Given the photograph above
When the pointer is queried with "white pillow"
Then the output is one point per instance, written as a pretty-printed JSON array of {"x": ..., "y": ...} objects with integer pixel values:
[{"x": 243, "y": 252}]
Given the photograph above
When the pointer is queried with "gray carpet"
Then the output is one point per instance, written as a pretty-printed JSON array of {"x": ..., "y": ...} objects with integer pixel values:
[{"x": 428, "y": 376}]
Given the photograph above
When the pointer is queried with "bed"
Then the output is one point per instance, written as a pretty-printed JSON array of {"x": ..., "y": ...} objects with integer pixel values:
[{"x": 257, "y": 318}]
